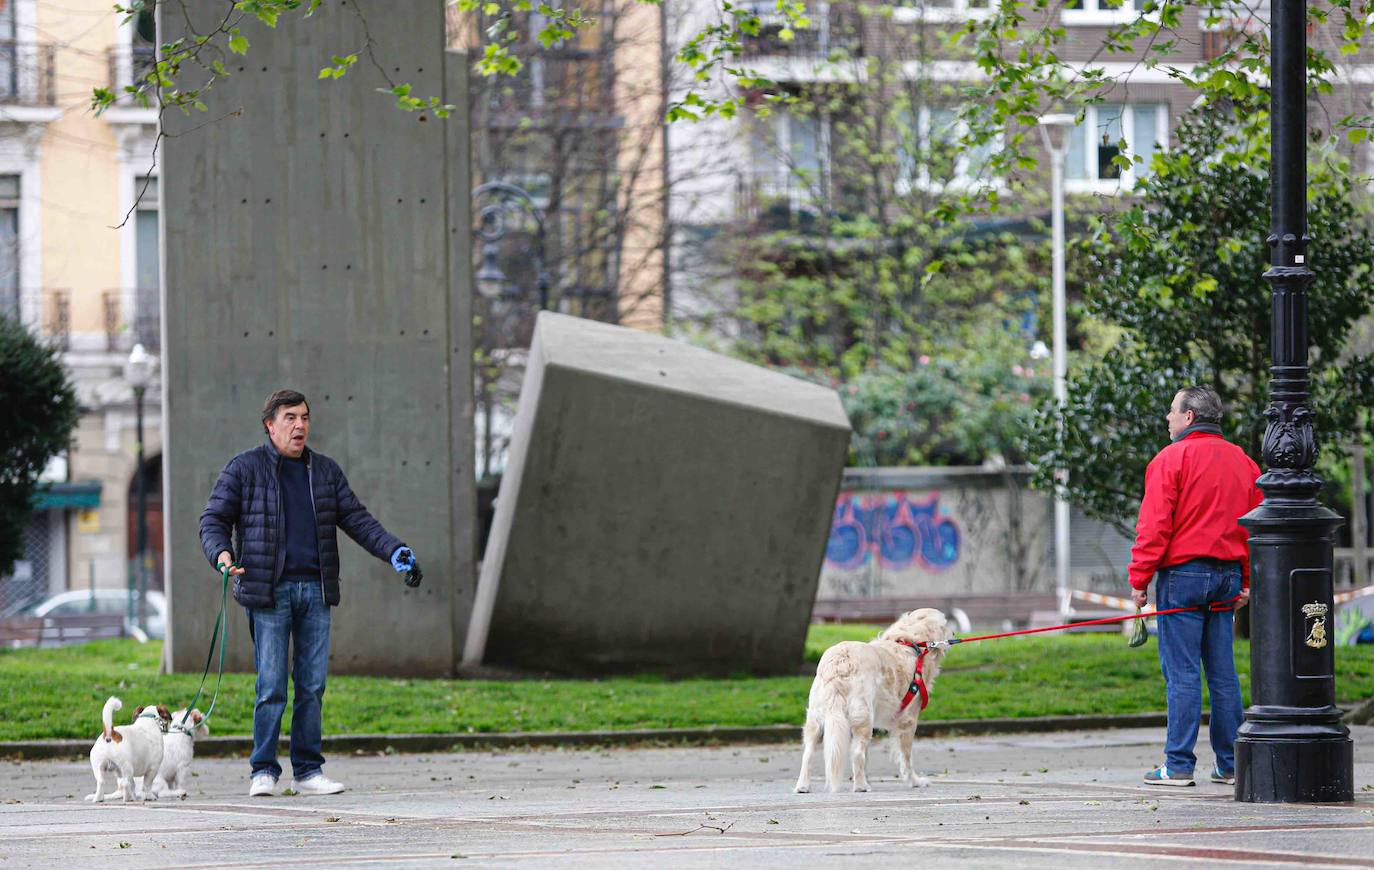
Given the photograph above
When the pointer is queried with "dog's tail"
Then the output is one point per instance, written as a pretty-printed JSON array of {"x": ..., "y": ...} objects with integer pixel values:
[
  {"x": 107, "y": 720},
  {"x": 835, "y": 719}
]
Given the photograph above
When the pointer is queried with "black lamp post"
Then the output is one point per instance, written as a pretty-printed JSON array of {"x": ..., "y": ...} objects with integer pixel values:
[
  {"x": 139, "y": 373},
  {"x": 1292, "y": 747},
  {"x": 504, "y": 201},
  {"x": 491, "y": 228}
]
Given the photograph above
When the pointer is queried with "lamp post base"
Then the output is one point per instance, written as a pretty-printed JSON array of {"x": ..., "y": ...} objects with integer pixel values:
[{"x": 1290, "y": 755}]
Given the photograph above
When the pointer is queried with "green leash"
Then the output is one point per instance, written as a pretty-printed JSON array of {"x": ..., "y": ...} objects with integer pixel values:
[{"x": 220, "y": 634}]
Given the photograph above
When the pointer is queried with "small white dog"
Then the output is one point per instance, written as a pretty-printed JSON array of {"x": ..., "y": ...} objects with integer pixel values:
[
  {"x": 129, "y": 751},
  {"x": 862, "y": 686},
  {"x": 178, "y": 749}
]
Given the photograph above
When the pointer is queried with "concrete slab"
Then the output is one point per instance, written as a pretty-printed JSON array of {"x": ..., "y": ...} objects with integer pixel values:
[
  {"x": 301, "y": 252},
  {"x": 1058, "y": 801},
  {"x": 664, "y": 508}
]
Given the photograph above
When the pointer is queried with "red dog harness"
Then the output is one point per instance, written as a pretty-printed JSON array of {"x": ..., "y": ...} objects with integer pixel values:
[{"x": 918, "y": 681}]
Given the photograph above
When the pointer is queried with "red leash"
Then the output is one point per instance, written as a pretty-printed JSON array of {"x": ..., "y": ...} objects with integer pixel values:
[
  {"x": 918, "y": 683},
  {"x": 1213, "y": 606}
]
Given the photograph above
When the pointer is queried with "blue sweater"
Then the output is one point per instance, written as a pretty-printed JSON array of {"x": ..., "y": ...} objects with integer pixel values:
[{"x": 298, "y": 512}]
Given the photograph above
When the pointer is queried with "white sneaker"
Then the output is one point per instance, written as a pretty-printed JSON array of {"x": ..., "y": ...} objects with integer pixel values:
[
  {"x": 317, "y": 784},
  {"x": 264, "y": 785}
]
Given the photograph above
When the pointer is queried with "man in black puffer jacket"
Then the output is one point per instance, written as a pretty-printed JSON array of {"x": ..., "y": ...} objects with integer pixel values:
[{"x": 283, "y": 505}]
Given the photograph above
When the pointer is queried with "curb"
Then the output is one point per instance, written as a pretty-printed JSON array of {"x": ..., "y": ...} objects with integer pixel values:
[
  {"x": 350, "y": 744},
  {"x": 222, "y": 747}
]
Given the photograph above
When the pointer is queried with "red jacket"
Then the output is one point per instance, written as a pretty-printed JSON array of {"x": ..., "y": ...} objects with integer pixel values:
[{"x": 1195, "y": 491}]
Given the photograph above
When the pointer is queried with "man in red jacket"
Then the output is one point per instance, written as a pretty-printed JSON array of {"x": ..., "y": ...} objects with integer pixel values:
[{"x": 1195, "y": 491}]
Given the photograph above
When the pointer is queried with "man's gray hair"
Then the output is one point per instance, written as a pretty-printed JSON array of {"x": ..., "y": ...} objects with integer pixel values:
[{"x": 1202, "y": 401}]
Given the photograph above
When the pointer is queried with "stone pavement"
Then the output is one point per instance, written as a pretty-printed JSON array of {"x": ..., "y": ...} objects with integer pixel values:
[{"x": 1061, "y": 800}]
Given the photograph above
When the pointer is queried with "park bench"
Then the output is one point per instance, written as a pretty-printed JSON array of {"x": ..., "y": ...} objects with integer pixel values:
[{"x": 21, "y": 631}]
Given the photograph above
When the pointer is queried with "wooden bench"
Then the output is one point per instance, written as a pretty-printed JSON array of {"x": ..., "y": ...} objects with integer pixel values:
[
  {"x": 981, "y": 609},
  {"x": 21, "y": 631}
]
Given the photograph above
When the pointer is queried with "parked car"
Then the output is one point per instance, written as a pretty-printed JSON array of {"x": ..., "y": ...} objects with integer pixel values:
[{"x": 79, "y": 601}]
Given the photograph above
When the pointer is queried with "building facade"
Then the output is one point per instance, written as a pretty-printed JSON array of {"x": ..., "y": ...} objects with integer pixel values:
[
  {"x": 890, "y": 75},
  {"x": 79, "y": 264}
]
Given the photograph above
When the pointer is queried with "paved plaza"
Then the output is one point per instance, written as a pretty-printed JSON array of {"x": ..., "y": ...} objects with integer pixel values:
[{"x": 1049, "y": 800}]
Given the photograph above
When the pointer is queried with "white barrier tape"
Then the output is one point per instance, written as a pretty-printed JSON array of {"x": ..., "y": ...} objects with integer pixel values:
[
  {"x": 1109, "y": 600},
  {"x": 1343, "y": 597}
]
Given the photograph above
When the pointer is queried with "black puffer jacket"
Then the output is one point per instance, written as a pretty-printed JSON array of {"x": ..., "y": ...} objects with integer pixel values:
[{"x": 247, "y": 497}]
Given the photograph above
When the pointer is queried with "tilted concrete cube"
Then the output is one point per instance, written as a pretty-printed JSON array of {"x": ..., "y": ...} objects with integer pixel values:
[{"x": 664, "y": 508}]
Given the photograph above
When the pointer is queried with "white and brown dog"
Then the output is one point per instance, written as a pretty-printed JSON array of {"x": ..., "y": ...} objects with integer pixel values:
[
  {"x": 883, "y": 684},
  {"x": 129, "y": 751},
  {"x": 178, "y": 749}
]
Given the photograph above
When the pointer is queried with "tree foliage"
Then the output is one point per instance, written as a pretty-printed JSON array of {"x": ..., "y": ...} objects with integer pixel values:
[
  {"x": 1179, "y": 284},
  {"x": 40, "y": 414},
  {"x": 837, "y": 269}
]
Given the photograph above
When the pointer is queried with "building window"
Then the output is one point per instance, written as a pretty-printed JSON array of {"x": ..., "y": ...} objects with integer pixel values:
[
  {"x": 148, "y": 265},
  {"x": 934, "y": 156},
  {"x": 1095, "y": 145},
  {"x": 9, "y": 53},
  {"x": 1092, "y": 12},
  {"x": 9, "y": 245},
  {"x": 789, "y": 157},
  {"x": 143, "y": 51},
  {"x": 938, "y": 11}
]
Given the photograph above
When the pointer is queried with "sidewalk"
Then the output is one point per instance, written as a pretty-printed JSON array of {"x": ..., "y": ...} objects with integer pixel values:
[{"x": 1057, "y": 800}]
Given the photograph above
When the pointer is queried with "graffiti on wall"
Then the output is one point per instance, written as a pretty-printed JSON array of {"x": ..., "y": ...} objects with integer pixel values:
[{"x": 894, "y": 529}]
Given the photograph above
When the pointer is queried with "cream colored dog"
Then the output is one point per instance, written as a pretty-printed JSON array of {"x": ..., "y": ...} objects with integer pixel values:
[
  {"x": 178, "y": 750},
  {"x": 129, "y": 751},
  {"x": 861, "y": 686}
]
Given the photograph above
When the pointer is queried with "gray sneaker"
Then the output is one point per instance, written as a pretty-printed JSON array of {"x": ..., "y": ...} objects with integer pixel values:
[
  {"x": 1219, "y": 776},
  {"x": 317, "y": 784},
  {"x": 264, "y": 785},
  {"x": 1161, "y": 776}
]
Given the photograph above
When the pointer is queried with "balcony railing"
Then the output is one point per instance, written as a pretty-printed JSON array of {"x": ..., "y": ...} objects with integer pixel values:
[
  {"x": 565, "y": 83},
  {"x": 128, "y": 66},
  {"x": 46, "y": 311},
  {"x": 143, "y": 327},
  {"x": 836, "y": 32},
  {"x": 777, "y": 198},
  {"x": 27, "y": 74}
]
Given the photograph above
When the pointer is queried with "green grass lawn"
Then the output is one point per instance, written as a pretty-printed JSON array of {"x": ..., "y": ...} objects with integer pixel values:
[{"x": 59, "y": 692}]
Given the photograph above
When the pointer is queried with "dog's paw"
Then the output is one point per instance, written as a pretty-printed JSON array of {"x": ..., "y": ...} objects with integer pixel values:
[
  {"x": 802, "y": 789},
  {"x": 860, "y": 787},
  {"x": 920, "y": 781},
  {"x": 94, "y": 798}
]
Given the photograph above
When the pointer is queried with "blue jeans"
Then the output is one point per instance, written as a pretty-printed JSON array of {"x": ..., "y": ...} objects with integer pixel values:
[
  {"x": 299, "y": 617},
  {"x": 1190, "y": 640}
]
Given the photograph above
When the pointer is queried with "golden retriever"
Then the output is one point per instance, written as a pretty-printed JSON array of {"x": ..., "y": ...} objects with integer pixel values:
[{"x": 862, "y": 686}]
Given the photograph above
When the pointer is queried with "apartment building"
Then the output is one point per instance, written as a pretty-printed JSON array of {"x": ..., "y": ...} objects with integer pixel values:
[
  {"x": 729, "y": 177},
  {"x": 79, "y": 263},
  {"x": 580, "y": 129}
]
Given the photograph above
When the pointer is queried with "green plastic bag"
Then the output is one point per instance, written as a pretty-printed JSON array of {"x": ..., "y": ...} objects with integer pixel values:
[{"x": 1139, "y": 635}]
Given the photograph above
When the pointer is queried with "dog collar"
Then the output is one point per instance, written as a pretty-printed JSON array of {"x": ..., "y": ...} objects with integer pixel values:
[
  {"x": 918, "y": 681},
  {"x": 161, "y": 724},
  {"x": 181, "y": 729}
]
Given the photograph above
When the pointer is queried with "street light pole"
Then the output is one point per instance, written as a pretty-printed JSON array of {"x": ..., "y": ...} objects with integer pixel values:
[
  {"x": 142, "y": 496},
  {"x": 139, "y": 373},
  {"x": 1054, "y": 130},
  {"x": 491, "y": 228},
  {"x": 1292, "y": 747},
  {"x": 495, "y": 287}
]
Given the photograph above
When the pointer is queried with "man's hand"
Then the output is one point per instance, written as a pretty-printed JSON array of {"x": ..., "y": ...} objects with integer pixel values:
[
  {"x": 404, "y": 561},
  {"x": 227, "y": 558},
  {"x": 1244, "y": 598},
  {"x": 1140, "y": 597}
]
